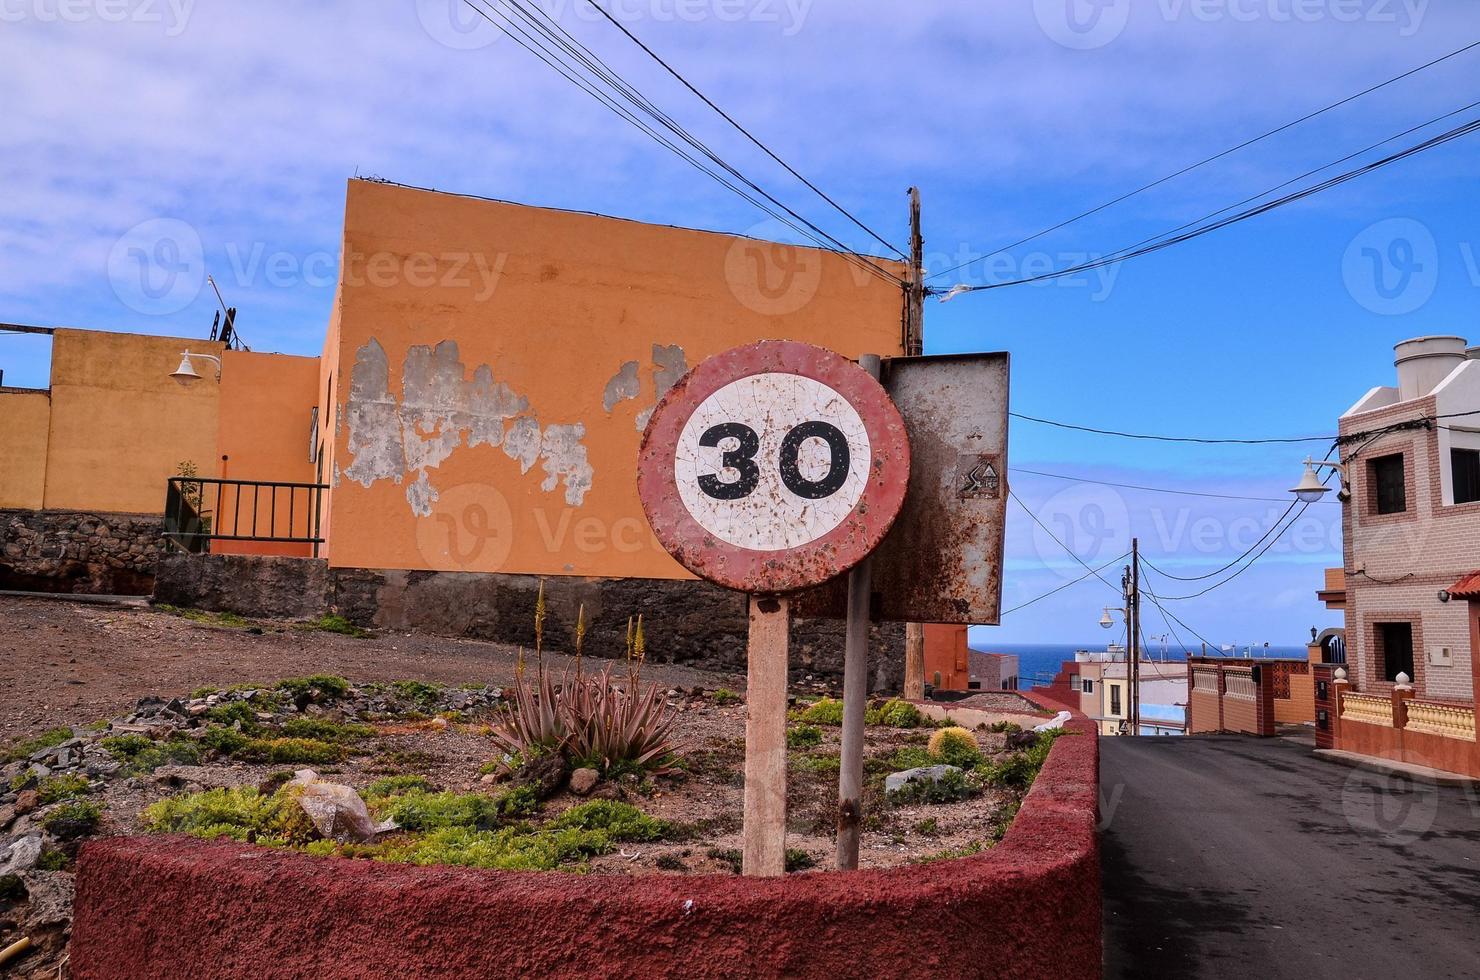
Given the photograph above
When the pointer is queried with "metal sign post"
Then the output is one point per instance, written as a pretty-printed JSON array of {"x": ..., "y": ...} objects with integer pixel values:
[{"x": 769, "y": 469}]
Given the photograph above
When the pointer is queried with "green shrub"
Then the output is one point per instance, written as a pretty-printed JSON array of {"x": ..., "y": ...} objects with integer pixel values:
[
  {"x": 12, "y": 889},
  {"x": 955, "y": 747},
  {"x": 730, "y": 856},
  {"x": 325, "y": 730},
  {"x": 799, "y": 860},
  {"x": 952, "y": 787},
  {"x": 396, "y": 785},
  {"x": 281, "y": 751},
  {"x": 419, "y": 810},
  {"x": 226, "y": 741},
  {"x": 140, "y": 755},
  {"x": 1004, "y": 726},
  {"x": 824, "y": 711},
  {"x": 56, "y": 788},
  {"x": 52, "y": 860},
  {"x": 975, "y": 847},
  {"x": 330, "y": 686},
  {"x": 20, "y": 751},
  {"x": 895, "y": 713},
  {"x": 232, "y": 712},
  {"x": 620, "y": 821},
  {"x": 817, "y": 763},
  {"x": 241, "y": 813},
  {"x": 723, "y": 696},
  {"x": 803, "y": 736},
  {"x": 508, "y": 849},
  {"x": 418, "y": 692},
  {"x": 335, "y": 624},
  {"x": 73, "y": 819}
]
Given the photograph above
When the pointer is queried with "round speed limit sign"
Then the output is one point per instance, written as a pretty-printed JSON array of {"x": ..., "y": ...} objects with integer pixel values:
[{"x": 773, "y": 467}]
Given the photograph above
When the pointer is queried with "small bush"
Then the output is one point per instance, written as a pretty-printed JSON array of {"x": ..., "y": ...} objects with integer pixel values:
[
  {"x": 418, "y": 692},
  {"x": 419, "y": 810},
  {"x": 325, "y": 730},
  {"x": 233, "y": 713},
  {"x": 731, "y": 857},
  {"x": 226, "y": 741},
  {"x": 12, "y": 889},
  {"x": 508, "y": 849},
  {"x": 282, "y": 751},
  {"x": 952, "y": 787},
  {"x": 620, "y": 821},
  {"x": 929, "y": 827},
  {"x": 56, "y": 788},
  {"x": 52, "y": 860},
  {"x": 23, "y": 750},
  {"x": 803, "y": 736},
  {"x": 140, "y": 755},
  {"x": 73, "y": 819},
  {"x": 1004, "y": 726},
  {"x": 955, "y": 747},
  {"x": 895, "y": 713},
  {"x": 670, "y": 862},
  {"x": 817, "y": 763},
  {"x": 723, "y": 696},
  {"x": 241, "y": 813},
  {"x": 975, "y": 847},
  {"x": 395, "y": 786},
  {"x": 336, "y": 624},
  {"x": 824, "y": 711},
  {"x": 799, "y": 860},
  {"x": 330, "y": 686}
]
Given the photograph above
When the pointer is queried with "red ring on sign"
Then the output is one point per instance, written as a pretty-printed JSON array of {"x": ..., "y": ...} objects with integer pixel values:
[{"x": 772, "y": 572}]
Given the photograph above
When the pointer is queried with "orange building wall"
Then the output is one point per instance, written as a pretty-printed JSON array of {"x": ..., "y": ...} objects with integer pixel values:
[
  {"x": 25, "y": 421},
  {"x": 947, "y": 659},
  {"x": 565, "y": 310},
  {"x": 120, "y": 425},
  {"x": 264, "y": 435}
]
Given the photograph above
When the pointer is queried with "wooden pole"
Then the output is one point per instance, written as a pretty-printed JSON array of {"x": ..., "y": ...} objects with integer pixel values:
[
  {"x": 855, "y": 697},
  {"x": 765, "y": 738},
  {"x": 914, "y": 346}
]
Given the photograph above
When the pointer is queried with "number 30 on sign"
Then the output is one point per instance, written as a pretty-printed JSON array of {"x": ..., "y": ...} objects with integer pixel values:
[{"x": 773, "y": 467}]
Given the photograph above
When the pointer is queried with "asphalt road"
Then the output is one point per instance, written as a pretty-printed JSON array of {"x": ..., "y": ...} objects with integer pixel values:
[{"x": 1234, "y": 857}]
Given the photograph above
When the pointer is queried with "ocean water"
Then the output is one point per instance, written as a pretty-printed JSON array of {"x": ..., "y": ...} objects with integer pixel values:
[{"x": 1038, "y": 662}]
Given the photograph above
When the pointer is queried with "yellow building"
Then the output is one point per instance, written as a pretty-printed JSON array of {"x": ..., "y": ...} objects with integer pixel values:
[{"x": 486, "y": 373}]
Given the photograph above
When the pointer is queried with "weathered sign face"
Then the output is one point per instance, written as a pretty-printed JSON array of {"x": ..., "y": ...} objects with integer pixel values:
[
  {"x": 942, "y": 562},
  {"x": 773, "y": 467}
]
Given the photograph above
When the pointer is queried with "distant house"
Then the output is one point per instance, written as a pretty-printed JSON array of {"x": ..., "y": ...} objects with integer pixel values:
[
  {"x": 1411, "y": 523},
  {"x": 1102, "y": 681},
  {"x": 951, "y": 665}
]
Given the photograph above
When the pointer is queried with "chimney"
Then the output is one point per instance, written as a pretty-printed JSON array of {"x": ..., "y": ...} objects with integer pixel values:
[{"x": 1423, "y": 362}]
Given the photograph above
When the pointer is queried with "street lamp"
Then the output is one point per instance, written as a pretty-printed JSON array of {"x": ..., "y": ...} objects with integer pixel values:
[
  {"x": 1105, "y": 619},
  {"x": 1310, "y": 489},
  {"x": 186, "y": 375}
]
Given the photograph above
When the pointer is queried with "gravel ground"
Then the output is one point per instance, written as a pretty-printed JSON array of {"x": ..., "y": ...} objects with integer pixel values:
[{"x": 72, "y": 663}]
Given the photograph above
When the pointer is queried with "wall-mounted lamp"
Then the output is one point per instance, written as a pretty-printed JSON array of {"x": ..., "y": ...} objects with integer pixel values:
[
  {"x": 186, "y": 375},
  {"x": 1310, "y": 489},
  {"x": 1443, "y": 595}
]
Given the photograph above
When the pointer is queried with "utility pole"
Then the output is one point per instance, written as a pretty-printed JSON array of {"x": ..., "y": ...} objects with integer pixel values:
[
  {"x": 914, "y": 346},
  {"x": 1133, "y": 607}
]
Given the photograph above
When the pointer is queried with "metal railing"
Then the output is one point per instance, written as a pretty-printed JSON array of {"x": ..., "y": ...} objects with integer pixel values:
[{"x": 199, "y": 510}]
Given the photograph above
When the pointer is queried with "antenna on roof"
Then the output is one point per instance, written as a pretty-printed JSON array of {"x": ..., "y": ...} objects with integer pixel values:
[{"x": 228, "y": 334}]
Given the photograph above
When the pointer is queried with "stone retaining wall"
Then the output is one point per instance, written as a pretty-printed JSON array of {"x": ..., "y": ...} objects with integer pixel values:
[
  {"x": 1029, "y": 907},
  {"x": 685, "y": 621},
  {"x": 79, "y": 551}
]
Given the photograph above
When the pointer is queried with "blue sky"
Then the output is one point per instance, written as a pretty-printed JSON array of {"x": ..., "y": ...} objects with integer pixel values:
[{"x": 242, "y": 121}]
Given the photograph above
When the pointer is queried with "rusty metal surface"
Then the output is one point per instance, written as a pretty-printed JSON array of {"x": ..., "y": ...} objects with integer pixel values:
[
  {"x": 790, "y": 527},
  {"x": 942, "y": 562}
]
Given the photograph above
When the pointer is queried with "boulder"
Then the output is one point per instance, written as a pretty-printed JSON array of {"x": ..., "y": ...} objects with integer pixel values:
[
  {"x": 22, "y": 855},
  {"x": 583, "y": 781},
  {"x": 26, "y": 801},
  {"x": 897, "y": 781}
]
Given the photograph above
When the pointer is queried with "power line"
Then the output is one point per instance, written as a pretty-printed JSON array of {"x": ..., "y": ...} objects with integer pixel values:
[
  {"x": 745, "y": 132},
  {"x": 535, "y": 46},
  {"x": 1136, "y": 486},
  {"x": 1159, "y": 438},
  {"x": 1211, "y": 159},
  {"x": 1245, "y": 568},
  {"x": 1046, "y": 530},
  {"x": 593, "y": 63},
  {"x": 1132, "y": 252},
  {"x": 1093, "y": 571}
]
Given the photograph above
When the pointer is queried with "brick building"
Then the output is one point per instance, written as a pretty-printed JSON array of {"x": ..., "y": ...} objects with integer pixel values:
[{"x": 1411, "y": 529}]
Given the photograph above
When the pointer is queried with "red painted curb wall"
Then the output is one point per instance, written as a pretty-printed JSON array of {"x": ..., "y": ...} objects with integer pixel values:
[{"x": 1029, "y": 908}]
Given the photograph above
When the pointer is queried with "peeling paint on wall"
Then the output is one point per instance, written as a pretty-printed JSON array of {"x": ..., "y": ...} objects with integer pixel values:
[
  {"x": 669, "y": 364},
  {"x": 438, "y": 408},
  {"x": 624, "y": 385},
  {"x": 565, "y": 459},
  {"x": 373, "y": 420}
]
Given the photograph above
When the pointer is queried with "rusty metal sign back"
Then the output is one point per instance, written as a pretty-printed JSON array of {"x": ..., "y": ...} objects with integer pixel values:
[
  {"x": 942, "y": 561},
  {"x": 773, "y": 467}
]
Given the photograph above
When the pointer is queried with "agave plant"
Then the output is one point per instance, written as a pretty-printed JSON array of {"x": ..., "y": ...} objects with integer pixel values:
[{"x": 589, "y": 718}]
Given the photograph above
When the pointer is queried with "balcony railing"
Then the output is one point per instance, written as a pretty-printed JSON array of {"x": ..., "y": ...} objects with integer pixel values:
[
  {"x": 1444, "y": 720},
  {"x": 200, "y": 510},
  {"x": 1367, "y": 709}
]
